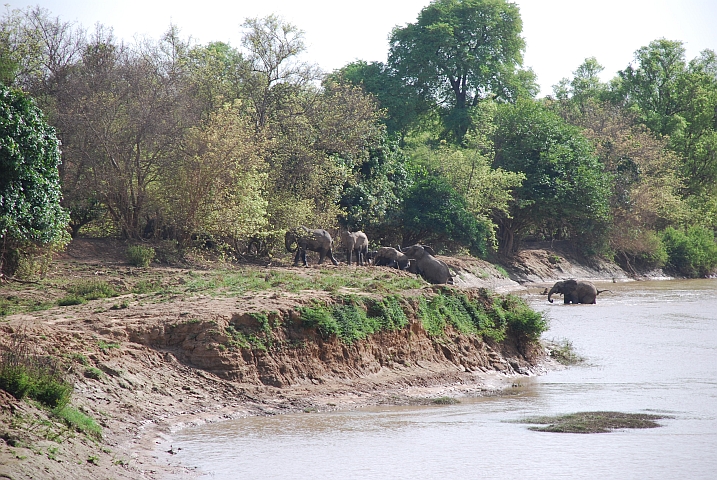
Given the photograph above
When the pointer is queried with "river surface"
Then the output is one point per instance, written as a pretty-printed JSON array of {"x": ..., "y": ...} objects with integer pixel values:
[{"x": 651, "y": 347}]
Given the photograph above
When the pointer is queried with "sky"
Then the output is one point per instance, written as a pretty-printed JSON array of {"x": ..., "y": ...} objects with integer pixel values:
[{"x": 559, "y": 34}]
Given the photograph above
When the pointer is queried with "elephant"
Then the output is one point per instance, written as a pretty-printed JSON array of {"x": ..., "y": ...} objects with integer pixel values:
[
  {"x": 429, "y": 267},
  {"x": 390, "y": 257},
  {"x": 574, "y": 291},
  {"x": 317, "y": 240},
  {"x": 355, "y": 242}
]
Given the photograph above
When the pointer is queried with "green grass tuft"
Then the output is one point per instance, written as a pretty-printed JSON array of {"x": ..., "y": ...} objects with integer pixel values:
[{"x": 79, "y": 421}]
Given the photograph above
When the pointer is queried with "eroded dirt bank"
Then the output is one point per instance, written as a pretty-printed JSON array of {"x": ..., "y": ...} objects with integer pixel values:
[{"x": 142, "y": 367}]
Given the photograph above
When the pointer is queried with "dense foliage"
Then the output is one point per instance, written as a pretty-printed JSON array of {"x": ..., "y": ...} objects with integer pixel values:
[
  {"x": 445, "y": 143},
  {"x": 30, "y": 212}
]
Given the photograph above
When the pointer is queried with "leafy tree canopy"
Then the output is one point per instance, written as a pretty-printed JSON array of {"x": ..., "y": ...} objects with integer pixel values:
[
  {"x": 459, "y": 52},
  {"x": 565, "y": 193},
  {"x": 29, "y": 180},
  {"x": 434, "y": 213}
]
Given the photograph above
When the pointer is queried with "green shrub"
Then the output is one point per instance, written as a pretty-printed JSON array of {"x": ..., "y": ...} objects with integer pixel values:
[
  {"x": 23, "y": 374},
  {"x": 79, "y": 421},
  {"x": 353, "y": 320},
  {"x": 320, "y": 317},
  {"x": 139, "y": 255},
  {"x": 70, "y": 300},
  {"x": 92, "y": 289},
  {"x": 522, "y": 319},
  {"x": 692, "y": 253}
]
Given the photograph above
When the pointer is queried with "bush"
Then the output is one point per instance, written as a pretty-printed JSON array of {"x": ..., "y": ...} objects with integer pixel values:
[
  {"x": 85, "y": 290},
  {"x": 79, "y": 421},
  {"x": 23, "y": 374},
  {"x": 140, "y": 256},
  {"x": 356, "y": 319},
  {"x": 486, "y": 315},
  {"x": 30, "y": 214},
  {"x": 692, "y": 253}
]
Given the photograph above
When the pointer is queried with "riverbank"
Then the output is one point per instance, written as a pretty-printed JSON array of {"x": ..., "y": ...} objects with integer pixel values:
[{"x": 147, "y": 362}]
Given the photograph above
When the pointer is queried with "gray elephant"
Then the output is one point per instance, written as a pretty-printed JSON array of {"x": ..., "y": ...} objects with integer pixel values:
[
  {"x": 429, "y": 267},
  {"x": 390, "y": 257},
  {"x": 317, "y": 240},
  {"x": 574, "y": 291},
  {"x": 355, "y": 242}
]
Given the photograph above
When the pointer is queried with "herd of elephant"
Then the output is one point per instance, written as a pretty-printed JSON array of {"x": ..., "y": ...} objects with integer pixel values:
[{"x": 417, "y": 259}]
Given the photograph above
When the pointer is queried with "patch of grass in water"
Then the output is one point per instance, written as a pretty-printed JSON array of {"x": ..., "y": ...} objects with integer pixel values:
[
  {"x": 593, "y": 422},
  {"x": 564, "y": 353}
]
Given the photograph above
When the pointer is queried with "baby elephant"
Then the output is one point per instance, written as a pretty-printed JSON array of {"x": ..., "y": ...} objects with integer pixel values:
[
  {"x": 430, "y": 268},
  {"x": 574, "y": 291},
  {"x": 390, "y": 257},
  {"x": 355, "y": 242}
]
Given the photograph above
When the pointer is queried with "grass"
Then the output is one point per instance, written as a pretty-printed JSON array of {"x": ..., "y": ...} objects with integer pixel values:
[
  {"x": 481, "y": 313},
  {"x": 140, "y": 255},
  {"x": 355, "y": 318},
  {"x": 25, "y": 374},
  {"x": 85, "y": 290},
  {"x": 106, "y": 347},
  {"x": 80, "y": 422},
  {"x": 564, "y": 353},
  {"x": 241, "y": 281},
  {"x": 593, "y": 422}
]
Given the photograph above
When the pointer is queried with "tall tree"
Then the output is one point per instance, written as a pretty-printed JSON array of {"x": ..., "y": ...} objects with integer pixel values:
[
  {"x": 274, "y": 48},
  {"x": 30, "y": 212},
  {"x": 459, "y": 52},
  {"x": 679, "y": 100},
  {"x": 565, "y": 192}
]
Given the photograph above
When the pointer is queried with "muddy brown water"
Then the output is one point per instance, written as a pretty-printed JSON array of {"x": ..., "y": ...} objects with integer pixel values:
[{"x": 651, "y": 347}]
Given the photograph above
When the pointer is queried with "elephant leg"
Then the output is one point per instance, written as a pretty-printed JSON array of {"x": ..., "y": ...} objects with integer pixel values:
[
  {"x": 331, "y": 256},
  {"x": 351, "y": 257},
  {"x": 303, "y": 257},
  {"x": 322, "y": 254},
  {"x": 297, "y": 257}
]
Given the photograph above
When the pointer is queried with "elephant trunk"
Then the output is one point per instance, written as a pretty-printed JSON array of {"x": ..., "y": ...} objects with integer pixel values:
[
  {"x": 289, "y": 240},
  {"x": 550, "y": 293}
]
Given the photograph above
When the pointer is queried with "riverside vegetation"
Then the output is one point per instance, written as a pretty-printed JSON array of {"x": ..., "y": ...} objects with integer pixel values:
[{"x": 248, "y": 337}]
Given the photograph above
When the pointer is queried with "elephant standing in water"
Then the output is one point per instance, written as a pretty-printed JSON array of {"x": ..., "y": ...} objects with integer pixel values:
[
  {"x": 355, "y": 242},
  {"x": 574, "y": 291},
  {"x": 317, "y": 240},
  {"x": 429, "y": 267}
]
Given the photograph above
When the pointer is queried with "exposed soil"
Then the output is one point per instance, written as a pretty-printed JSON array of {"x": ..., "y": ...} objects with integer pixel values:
[{"x": 166, "y": 362}]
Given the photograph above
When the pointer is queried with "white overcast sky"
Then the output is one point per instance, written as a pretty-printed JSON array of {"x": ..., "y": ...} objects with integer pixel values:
[{"x": 559, "y": 34}]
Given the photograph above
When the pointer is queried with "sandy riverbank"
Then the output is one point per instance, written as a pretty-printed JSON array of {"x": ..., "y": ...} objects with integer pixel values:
[{"x": 160, "y": 370}]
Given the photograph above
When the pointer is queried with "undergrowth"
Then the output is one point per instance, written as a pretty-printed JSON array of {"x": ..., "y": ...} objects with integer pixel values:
[
  {"x": 26, "y": 374},
  {"x": 484, "y": 314}
]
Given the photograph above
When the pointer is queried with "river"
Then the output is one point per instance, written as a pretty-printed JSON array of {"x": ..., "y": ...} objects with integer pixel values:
[{"x": 651, "y": 347}]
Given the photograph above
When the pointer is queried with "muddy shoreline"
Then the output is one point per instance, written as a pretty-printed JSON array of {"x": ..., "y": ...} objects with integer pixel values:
[{"x": 158, "y": 375}]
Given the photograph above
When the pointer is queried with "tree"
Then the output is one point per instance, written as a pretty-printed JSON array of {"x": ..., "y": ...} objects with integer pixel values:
[
  {"x": 403, "y": 106},
  {"x": 565, "y": 192},
  {"x": 645, "y": 180},
  {"x": 122, "y": 115},
  {"x": 652, "y": 85},
  {"x": 274, "y": 47},
  {"x": 487, "y": 191},
  {"x": 459, "y": 52},
  {"x": 679, "y": 100},
  {"x": 585, "y": 84},
  {"x": 30, "y": 212},
  {"x": 372, "y": 194},
  {"x": 433, "y": 212},
  {"x": 195, "y": 199}
]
